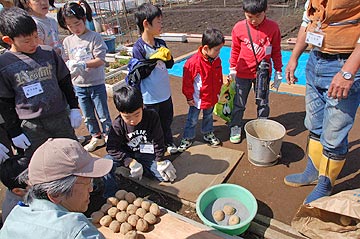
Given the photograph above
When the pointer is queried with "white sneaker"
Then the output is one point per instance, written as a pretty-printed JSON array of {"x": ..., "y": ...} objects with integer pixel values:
[
  {"x": 94, "y": 143},
  {"x": 235, "y": 134}
]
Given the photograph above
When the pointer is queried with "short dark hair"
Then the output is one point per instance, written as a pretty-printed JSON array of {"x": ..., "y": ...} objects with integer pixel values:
[
  {"x": 146, "y": 11},
  {"x": 128, "y": 99},
  {"x": 212, "y": 37},
  {"x": 11, "y": 169},
  {"x": 254, "y": 6},
  {"x": 16, "y": 22},
  {"x": 80, "y": 10}
]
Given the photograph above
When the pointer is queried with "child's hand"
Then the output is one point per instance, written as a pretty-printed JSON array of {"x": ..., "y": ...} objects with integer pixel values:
[
  {"x": 21, "y": 141},
  {"x": 232, "y": 73},
  {"x": 227, "y": 80},
  {"x": 136, "y": 169},
  {"x": 166, "y": 170},
  {"x": 75, "y": 118},
  {"x": 191, "y": 102},
  {"x": 277, "y": 80}
]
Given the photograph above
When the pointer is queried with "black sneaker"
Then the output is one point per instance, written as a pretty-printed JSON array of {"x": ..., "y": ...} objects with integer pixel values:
[
  {"x": 184, "y": 144},
  {"x": 211, "y": 139}
]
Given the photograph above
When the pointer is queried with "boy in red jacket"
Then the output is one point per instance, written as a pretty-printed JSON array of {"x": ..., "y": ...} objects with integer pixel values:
[
  {"x": 202, "y": 80},
  {"x": 266, "y": 37}
]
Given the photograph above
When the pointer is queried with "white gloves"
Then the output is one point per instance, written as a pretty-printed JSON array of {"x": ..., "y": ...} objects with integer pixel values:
[
  {"x": 277, "y": 80},
  {"x": 3, "y": 153},
  {"x": 166, "y": 170},
  {"x": 21, "y": 141},
  {"x": 76, "y": 67},
  {"x": 232, "y": 73},
  {"x": 136, "y": 169},
  {"x": 75, "y": 118}
]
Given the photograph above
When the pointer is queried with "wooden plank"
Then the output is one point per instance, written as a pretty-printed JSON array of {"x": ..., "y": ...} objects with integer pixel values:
[
  {"x": 200, "y": 163},
  {"x": 171, "y": 226}
]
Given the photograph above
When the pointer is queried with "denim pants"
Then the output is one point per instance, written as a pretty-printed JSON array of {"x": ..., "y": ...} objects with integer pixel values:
[
  {"x": 165, "y": 111},
  {"x": 40, "y": 129},
  {"x": 330, "y": 118},
  {"x": 94, "y": 99},
  {"x": 242, "y": 89},
  {"x": 192, "y": 119}
]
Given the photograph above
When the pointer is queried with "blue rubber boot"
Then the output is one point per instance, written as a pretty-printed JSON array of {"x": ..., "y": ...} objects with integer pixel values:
[
  {"x": 311, "y": 172},
  {"x": 328, "y": 172}
]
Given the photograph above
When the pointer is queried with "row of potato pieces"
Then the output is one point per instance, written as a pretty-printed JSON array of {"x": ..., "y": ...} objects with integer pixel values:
[{"x": 125, "y": 211}]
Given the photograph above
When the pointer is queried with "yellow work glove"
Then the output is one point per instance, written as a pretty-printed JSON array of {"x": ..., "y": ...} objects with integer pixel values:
[{"x": 162, "y": 53}]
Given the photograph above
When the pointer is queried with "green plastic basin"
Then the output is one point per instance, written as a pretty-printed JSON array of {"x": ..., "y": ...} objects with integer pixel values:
[{"x": 227, "y": 190}]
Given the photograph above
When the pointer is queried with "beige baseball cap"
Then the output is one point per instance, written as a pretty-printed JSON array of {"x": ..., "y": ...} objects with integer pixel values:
[{"x": 58, "y": 158}]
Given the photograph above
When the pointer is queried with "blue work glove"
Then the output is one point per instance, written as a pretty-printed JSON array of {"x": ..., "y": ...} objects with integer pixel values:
[
  {"x": 136, "y": 169},
  {"x": 277, "y": 80},
  {"x": 21, "y": 141},
  {"x": 166, "y": 170},
  {"x": 75, "y": 118},
  {"x": 3, "y": 153}
]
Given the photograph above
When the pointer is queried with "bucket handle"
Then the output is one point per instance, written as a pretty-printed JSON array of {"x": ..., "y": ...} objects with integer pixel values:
[{"x": 268, "y": 145}]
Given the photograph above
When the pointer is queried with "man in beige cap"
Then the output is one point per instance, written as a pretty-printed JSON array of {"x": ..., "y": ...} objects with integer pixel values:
[{"x": 60, "y": 176}]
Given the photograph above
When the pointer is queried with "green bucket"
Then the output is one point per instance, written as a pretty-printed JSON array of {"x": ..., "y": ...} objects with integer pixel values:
[{"x": 232, "y": 191}]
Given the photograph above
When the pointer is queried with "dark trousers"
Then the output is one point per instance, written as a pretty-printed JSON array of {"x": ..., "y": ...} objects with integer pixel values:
[
  {"x": 39, "y": 130},
  {"x": 165, "y": 110}
]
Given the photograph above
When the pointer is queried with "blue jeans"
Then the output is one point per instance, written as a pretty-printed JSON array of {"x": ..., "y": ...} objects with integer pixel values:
[
  {"x": 149, "y": 165},
  {"x": 330, "y": 118},
  {"x": 242, "y": 89},
  {"x": 192, "y": 119},
  {"x": 94, "y": 99}
]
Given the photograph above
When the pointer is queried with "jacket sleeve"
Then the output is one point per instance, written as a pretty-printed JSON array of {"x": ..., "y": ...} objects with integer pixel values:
[
  {"x": 8, "y": 112},
  {"x": 276, "y": 50},
  {"x": 116, "y": 144},
  {"x": 188, "y": 80},
  {"x": 68, "y": 90},
  {"x": 235, "y": 47}
]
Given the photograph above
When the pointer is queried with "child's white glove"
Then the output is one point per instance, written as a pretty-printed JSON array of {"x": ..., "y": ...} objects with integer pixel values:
[
  {"x": 136, "y": 169},
  {"x": 3, "y": 153},
  {"x": 75, "y": 118},
  {"x": 76, "y": 67},
  {"x": 21, "y": 141},
  {"x": 277, "y": 80},
  {"x": 232, "y": 73},
  {"x": 166, "y": 170}
]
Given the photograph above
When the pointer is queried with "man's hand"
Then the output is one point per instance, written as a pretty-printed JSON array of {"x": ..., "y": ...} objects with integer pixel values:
[
  {"x": 166, "y": 170},
  {"x": 21, "y": 141},
  {"x": 339, "y": 87},
  {"x": 277, "y": 80},
  {"x": 136, "y": 169},
  {"x": 3, "y": 153},
  {"x": 75, "y": 118},
  {"x": 290, "y": 72}
]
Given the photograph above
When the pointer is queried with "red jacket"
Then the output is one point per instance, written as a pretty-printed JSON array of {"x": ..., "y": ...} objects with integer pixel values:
[
  {"x": 265, "y": 37},
  {"x": 202, "y": 80}
]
